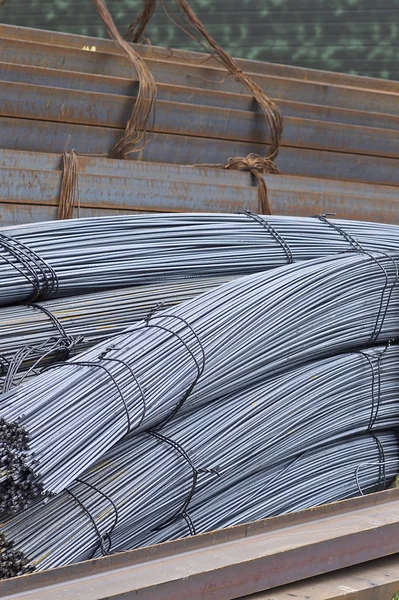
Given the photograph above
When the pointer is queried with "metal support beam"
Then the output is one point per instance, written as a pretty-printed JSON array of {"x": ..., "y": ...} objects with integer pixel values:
[
  {"x": 375, "y": 580},
  {"x": 46, "y": 136},
  {"x": 231, "y": 563},
  {"x": 54, "y": 38}
]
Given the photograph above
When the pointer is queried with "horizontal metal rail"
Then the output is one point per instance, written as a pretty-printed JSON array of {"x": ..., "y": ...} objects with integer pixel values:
[
  {"x": 46, "y": 103},
  {"x": 197, "y": 75},
  {"x": 48, "y": 136},
  {"x": 231, "y": 563},
  {"x": 53, "y": 38},
  {"x": 30, "y": 186},
  {"x": 374, "y": 580},
  {"x": 192, "y": 95},
  {"x": 138, "y": 186}
]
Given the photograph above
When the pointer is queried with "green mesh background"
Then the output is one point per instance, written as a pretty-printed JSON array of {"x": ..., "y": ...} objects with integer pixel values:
[{"x": 352, "y": 36}]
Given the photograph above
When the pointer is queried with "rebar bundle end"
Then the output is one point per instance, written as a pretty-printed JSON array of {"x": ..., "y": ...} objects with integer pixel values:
[
  {"x": 13, "y": 562},
  {"x": 13, "y": 435},
  {"x": 18, "y": 478}
]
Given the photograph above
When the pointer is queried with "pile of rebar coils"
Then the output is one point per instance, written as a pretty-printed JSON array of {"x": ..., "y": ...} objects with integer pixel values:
[{"x": 164, "y": 375}]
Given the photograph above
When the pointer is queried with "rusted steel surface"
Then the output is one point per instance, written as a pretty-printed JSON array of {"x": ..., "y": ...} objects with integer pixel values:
[
  {"x": 123, "y": 168},
  {"x": 231, "y": 563},
  {"x": 29, "y": 186},
  {"x": 199, "y": 174},
  {"x": 106, "y": 110},
  {"x": 201, "y": 76},
  {"x": 57, "y": 78},
  {"x": 46, "y": 136},
  {"x": 253, "y": 66},
  {"x": 375, "y": 580},
  {"x": 135, "y": 186}
]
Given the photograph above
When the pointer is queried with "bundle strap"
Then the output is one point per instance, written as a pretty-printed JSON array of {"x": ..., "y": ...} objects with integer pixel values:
[
  {"x": 134, "y": 138},
  {"x": 69, "y": 193},
  {"x": 258, "y": 166}
]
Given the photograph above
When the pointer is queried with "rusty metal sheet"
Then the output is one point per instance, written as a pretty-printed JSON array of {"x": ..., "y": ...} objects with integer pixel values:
[
  {"x": 128, "y": 168},
  {"x": 287, "y": 71},
  {"x": 29, "y": 186},
  {"x": 58, "y": 78},
  {"x": 106, "y": 110},
  {"x": 374, "y": 580},
  {"x": 46, "y": 136},
  {"x": 146, "y": 189},
  {"x": 141, "y": 169},
  {"x": 202, "y": 76},
  {"x": 231, "y": 563}
]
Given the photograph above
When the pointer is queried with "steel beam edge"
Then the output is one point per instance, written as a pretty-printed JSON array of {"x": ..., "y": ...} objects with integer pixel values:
[
  {"x": 231, "y": 563},
  {"x": 374, "y": 580}
]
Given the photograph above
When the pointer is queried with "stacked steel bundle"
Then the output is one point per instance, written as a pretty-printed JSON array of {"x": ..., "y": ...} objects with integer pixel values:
[
  {"x": 220, "y": 342},
  {"x": 33, "y": 335},
  {"x": 338, "y": 131},
  {"x": 202, "y": 116},
  {"x": 60, "y": 258},
  {"x": 278, "y": 446},
  {"x": 139, "y": 249},
  {"x": 226, "y": 391}
]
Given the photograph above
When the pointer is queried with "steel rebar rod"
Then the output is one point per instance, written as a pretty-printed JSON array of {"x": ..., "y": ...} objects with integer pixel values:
[
  {"x": 239, "y": 334},
  {"x": 62, "y": 258}
]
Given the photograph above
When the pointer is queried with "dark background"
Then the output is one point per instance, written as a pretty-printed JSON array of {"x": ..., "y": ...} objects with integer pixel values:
[{"x": 351, "y": 36}]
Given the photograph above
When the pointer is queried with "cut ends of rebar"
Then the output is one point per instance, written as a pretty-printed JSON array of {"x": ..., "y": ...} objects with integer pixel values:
[
  {"x": 18, "y": 480},
  {"x": 13, "y": 562}
]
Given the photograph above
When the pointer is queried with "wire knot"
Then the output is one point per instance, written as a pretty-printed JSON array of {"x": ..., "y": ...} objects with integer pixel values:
[{"x": 258, "y": 166}]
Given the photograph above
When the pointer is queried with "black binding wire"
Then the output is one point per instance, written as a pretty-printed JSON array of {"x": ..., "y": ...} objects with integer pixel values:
[
  {"x": 183, "y": 511},
  {"x": 375, "y": 398},
  {"x": 4, "y": 364},
  {"x": 357, "y": 247},
  {"x": 375, "y": 405},
  {"x": 151, "y": 316},
  {"x": 52, "y": 318},
  {"x": 102, "y": 537},
  {"x": 382, "y": 480},
  {"x": 190, "y": 524},
  {"x": 60, "y": 345},
  {"x": 200, "y": 365},
  {"x": 137, "y": 382},
  {"x": 31, "y": 266},
  {"x": 176, "y": 446},
  {"x": 275, "y": 234},
  {"x": 105, "y": 536},
  {"x": 98, "y": 366}
]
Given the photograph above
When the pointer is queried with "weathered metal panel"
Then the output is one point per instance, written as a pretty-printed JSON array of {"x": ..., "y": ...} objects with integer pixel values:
[
  {"x": 29, "y": 186},
  {"x": 127, "y": 168},
  {"x": 231, "y": 563},
  {"x": 125, "y": 87},
  {"x": 46, "y": 136},
  {"x": 375, "y": 580},
  {"x": 122, "y": 168},
  {"x": 202, "y": 76},
  {"x": 252, "y": 66},
  {"x": 106, "y": 110},
  {"x": 146, "y": 190}
]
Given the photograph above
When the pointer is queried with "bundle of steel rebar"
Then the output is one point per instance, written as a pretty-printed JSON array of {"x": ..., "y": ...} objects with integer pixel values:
[
  {"x": 147, "y": 488},
  {"x": 44, "y": 260},
  {"x": 32, "y": 335},
  {"x": 239, "y": 334},
  {"x": 337, "y": 471}
]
